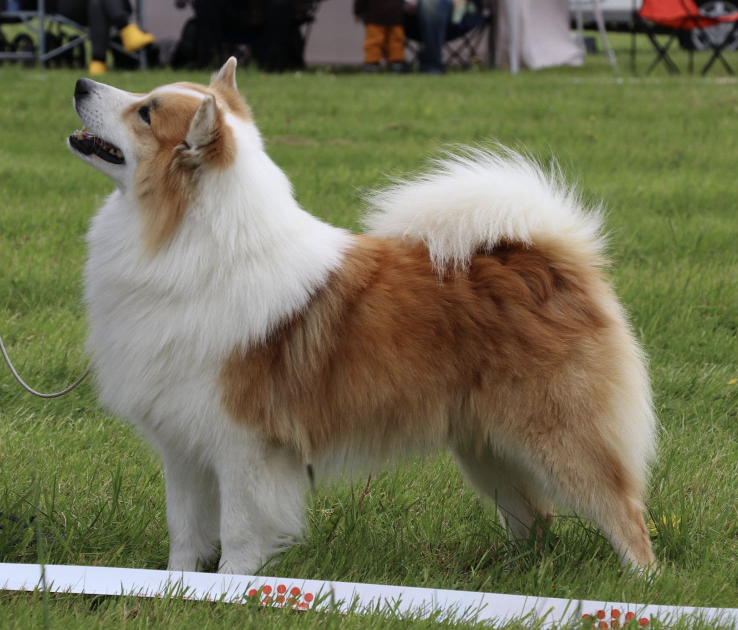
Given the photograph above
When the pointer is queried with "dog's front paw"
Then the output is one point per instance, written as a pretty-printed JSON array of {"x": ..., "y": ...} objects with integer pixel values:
[
  {"x": 239, "y": 566},
  {"x": 186, "y": 563}
]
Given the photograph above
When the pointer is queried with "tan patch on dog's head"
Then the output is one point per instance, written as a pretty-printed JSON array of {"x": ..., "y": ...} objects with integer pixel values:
[{"x": 179, "y": 136}]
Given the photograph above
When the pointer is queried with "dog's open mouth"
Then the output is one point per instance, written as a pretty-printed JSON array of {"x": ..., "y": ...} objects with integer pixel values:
[{"x": 88, "y": 143}]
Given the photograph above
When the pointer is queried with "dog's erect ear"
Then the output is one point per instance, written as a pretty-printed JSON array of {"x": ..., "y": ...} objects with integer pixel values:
[
  {"x": 204, "y": 124},
  {"x": 223, "y": 84},
  {"x": 225, "y": 78},
  {"x": 209, "y": 140}
]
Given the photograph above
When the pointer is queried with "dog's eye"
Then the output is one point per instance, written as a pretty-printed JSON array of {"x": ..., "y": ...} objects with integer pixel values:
[{"x": 144, "y": 112}]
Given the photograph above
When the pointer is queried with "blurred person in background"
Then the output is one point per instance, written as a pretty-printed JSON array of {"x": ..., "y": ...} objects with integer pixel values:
[
  {"x": 214, "y": 19},
  {"x": 99, "y": 16},
  {"x": 384, "y": 35},
  {"x": 270, "y": 28},
  {"x": 433, "y": 18},
  {"x": 280, "y": 45}
]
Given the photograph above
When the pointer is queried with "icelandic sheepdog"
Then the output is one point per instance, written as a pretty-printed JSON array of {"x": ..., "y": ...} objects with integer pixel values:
[{"x": 248, "y": 339}]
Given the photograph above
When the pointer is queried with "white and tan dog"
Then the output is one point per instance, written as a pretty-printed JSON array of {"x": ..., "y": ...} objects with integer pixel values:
[{"x": 246, "y": 338}]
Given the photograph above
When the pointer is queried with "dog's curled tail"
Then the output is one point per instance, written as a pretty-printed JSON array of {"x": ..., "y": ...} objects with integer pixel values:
[{"x": 472, "y": 200}]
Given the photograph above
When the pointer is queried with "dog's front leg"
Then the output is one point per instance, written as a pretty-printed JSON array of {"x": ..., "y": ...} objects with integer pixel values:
[
  {"x": 193, "y": 512},
  {"x": 262, "y": 491}
]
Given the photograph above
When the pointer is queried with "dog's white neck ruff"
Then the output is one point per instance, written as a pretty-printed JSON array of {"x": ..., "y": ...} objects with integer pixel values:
[{"x": 245, "y": 259}]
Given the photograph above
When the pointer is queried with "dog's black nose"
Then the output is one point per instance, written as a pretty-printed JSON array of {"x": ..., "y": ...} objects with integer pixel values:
[{"x": 83, "y": 87}]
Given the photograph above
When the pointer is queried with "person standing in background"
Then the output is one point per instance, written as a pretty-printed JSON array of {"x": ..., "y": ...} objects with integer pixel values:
[
  {"x": 384, "y": 34},
  {"x": 270, "y": 28},
  {"x": 433, "y": 19}
]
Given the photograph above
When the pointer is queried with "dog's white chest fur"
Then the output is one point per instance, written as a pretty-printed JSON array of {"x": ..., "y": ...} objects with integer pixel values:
[
  {"x": 147, "y": 344},
  {"x": 162, "y": 324}
]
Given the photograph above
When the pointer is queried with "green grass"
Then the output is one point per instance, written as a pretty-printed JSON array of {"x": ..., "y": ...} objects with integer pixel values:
[{"x": 662, "y": 155}]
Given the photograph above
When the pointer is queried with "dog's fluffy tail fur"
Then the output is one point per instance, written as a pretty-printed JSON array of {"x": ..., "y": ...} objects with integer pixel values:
[{"x": 473, "y": 200}]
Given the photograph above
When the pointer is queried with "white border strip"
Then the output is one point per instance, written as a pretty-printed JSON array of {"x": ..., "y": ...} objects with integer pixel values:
[{"x": 342, "y": 596}]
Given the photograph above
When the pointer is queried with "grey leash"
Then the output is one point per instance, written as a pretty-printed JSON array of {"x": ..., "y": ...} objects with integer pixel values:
[{"x": 33, "y": 391}]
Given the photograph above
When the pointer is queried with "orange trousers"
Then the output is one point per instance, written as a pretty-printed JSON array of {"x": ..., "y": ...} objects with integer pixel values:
[{"x": 384, "y": 40}]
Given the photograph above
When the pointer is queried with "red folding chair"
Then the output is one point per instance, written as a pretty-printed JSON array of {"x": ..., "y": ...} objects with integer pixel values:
[{"x": 674, "y": 16}]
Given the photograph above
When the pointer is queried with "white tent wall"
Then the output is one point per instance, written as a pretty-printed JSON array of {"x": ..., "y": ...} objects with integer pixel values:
[
  {"x": 542, "y": 34},
  {"x": 165, "y": 20},
  {"x": 336, "y": 38}
]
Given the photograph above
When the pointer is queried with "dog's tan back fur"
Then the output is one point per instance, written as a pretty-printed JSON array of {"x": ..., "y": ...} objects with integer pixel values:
[{"x": 388, "y": 351}]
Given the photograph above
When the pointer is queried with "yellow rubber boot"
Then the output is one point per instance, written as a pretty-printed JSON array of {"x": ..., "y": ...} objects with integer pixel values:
[
  {"x": 96, "y": 67},
  {"x": 134, "y": 38}
]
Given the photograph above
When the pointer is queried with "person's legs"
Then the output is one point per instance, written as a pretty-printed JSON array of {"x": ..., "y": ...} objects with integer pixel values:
[
  {"x": 395, "y": 44},
  {"x": 209, "y": 18},
  {"x": 271, "y": 51},
  {"x": 433, "y": 19},
  {"x": 99, "y": 29},
  {"x": 118, "y": 12},
  {"x": 75, "y": 10},
  {"x": 373, "y": 43}
]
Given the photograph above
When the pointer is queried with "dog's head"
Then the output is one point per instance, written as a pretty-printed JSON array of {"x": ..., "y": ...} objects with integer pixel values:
[{"x": 159, "y": 144}]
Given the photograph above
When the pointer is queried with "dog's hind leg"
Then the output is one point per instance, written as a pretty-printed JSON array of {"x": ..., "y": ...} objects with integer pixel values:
[
  {"x": 598, "y": 485},
  {"x": 514, "y": 492},
  {"x": 588, "y": 472}
]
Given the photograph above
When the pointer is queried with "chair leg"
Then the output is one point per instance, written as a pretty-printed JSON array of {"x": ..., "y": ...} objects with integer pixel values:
[
  {"x": 718, "y": 53},
  {"x": 633, "y": 43},
  {"x": 662, "y": 54},
  {"x": 464, "y": 52},
  {"x": 727, "y": 65}
]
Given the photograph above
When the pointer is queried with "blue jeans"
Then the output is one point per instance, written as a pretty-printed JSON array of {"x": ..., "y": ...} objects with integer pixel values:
[{"x": 433, "y": 19}]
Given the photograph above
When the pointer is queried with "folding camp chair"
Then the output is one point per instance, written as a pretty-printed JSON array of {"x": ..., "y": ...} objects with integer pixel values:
[
  {"x": 39, "y": 18},
  {"x": 464, "y": 38},
  {"x": 670, "y": 17}
]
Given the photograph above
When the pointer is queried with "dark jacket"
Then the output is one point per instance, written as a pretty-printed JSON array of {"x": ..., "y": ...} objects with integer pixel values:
[{"x": 385, "y": 12}]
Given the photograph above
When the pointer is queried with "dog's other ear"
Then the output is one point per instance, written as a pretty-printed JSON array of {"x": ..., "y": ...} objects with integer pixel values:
[
  {"x": 209, "y": 140},
  {"x": 203, "y": 126},
  {"x": 225, "y": 78}
]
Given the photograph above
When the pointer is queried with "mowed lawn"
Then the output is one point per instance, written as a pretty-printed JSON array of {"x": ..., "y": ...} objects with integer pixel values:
[{"x": 663, "y": 157}]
